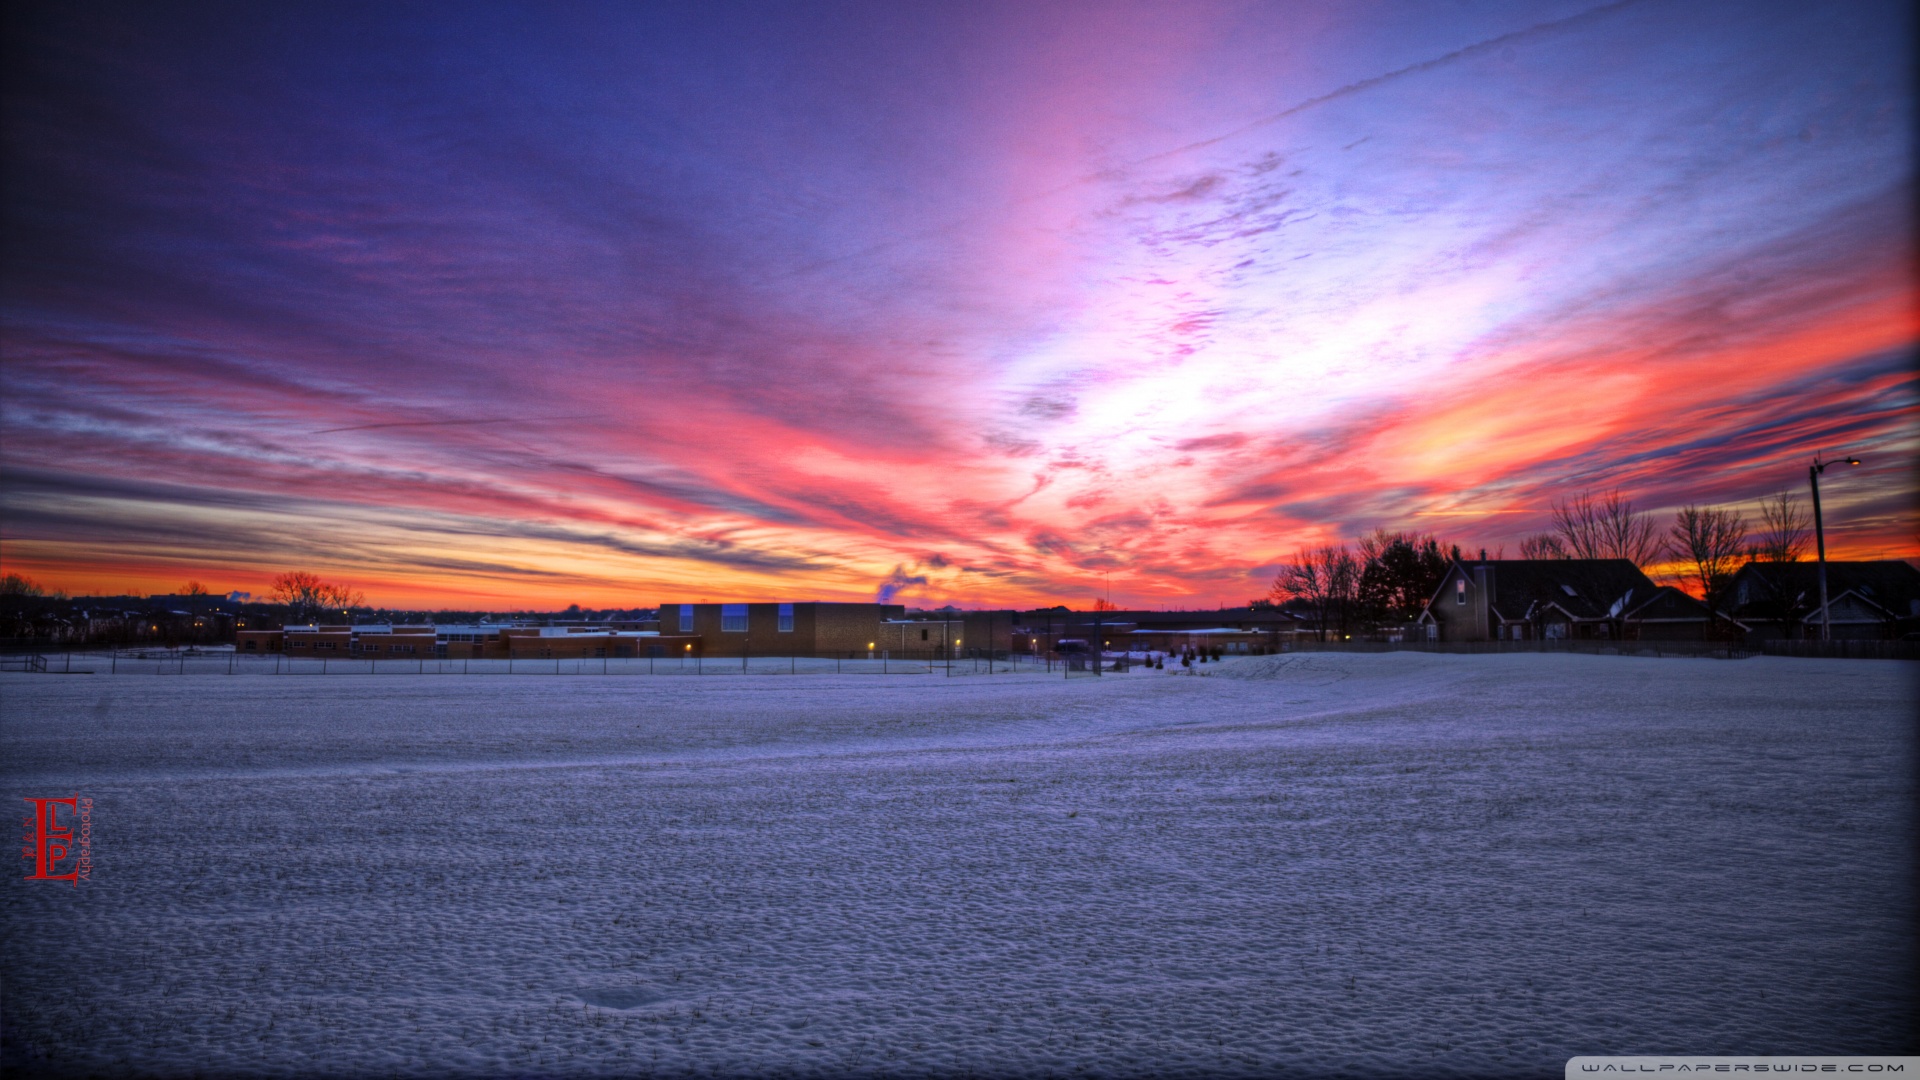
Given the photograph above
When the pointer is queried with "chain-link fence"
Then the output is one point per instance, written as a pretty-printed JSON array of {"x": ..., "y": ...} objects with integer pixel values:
[
  {"x": 1052, "y": 664},
  {"x": 217, "y": 661},
  {"x": 1846, "y": 649}
]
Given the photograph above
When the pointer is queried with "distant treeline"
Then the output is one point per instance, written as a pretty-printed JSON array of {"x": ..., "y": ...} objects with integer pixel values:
[{"x": 31, "y": 614}]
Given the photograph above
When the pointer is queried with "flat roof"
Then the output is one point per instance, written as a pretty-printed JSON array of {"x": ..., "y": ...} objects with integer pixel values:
[{"x": 1210, "y": 631}]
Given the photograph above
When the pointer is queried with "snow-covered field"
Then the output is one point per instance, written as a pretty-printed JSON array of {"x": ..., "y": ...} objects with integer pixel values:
[{"x": 1395, "y": 864}]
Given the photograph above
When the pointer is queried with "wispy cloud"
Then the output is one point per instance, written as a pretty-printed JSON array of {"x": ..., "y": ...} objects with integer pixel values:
[{"x": 600, "y": 306}]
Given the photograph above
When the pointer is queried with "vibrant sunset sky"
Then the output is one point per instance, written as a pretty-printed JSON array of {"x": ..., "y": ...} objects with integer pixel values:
[{"x": 485, "y": 306}]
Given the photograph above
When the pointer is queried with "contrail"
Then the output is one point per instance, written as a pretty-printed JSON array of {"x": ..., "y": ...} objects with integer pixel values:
[
  {"x": 1273, "y": 118},
  {"x": 451, "y": 423},
  {"x": 1368, "y": 84}
]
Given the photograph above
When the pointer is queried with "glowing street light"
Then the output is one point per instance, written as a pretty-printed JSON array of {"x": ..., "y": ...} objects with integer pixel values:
[{"x": 1820, "y": 541}]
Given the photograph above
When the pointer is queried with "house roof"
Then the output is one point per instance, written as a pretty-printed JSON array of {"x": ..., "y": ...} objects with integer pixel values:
[
  {"x": 1667, "y": 604},
  {"x": 1210, "y": 630},
  {"x": 1888, "y": 583},
  {"x": 1583, "y": 588},
  {"x": 1852, "y": 599}
]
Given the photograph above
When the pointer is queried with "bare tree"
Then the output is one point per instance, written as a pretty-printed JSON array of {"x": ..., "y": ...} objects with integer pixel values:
[
  {"x": 1629, "y": 534},
  {"x": 196, "y": 594},
  {"x": 1301, "y": 580},
  {"x": 1710, "y": 541},
  {"x": 1785, "y": 528},
  {"x": 1543, "y": 546},
  {"x": 1605, "y": 528},
  {"x": 1342, "y": 574},
  {"x": 306, "y": 596},
  {"x": 1576, "y": 523},
  {"x": 1327, "y": 580},
  {"x": 20, "y": 585}
]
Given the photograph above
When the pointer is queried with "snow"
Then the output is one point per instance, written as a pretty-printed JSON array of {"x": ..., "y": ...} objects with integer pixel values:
[{"x": 1379, "y": 864}]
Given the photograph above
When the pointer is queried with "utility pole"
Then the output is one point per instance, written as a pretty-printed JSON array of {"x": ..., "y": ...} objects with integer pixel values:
[{"x": 1820, "y": 541}]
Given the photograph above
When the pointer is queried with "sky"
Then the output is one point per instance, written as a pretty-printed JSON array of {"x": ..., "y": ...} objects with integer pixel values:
[{"x": 486, "y": 306}]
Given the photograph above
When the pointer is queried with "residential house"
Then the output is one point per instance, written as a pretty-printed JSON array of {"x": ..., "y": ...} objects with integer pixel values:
[
  {"x": 1581, "y": 599},
  {"x": 1873, "y": 600}
]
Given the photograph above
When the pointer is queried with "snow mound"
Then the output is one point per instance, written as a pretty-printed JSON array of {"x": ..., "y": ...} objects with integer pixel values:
[
  {"x": 624, "y": 998},
  {"x": 1321, "y": 668}
]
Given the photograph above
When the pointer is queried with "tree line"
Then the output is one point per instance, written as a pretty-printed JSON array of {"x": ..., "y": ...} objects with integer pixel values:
[
  {"x": 196, "y": 615},
  {"x": 1388, "y": 577}
]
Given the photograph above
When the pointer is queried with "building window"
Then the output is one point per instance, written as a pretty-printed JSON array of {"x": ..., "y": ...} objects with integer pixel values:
[
  {"x": 1460, "y": 590},
  {"x": 923, "y": 635},
  {"x": 686, "y": 618},
  {"x": 786, "y": 618},
  {"x": 733, "y": 618}
]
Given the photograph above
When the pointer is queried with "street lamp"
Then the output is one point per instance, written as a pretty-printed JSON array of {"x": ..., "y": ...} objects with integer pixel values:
[{"x": 1820, "y": 541}]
